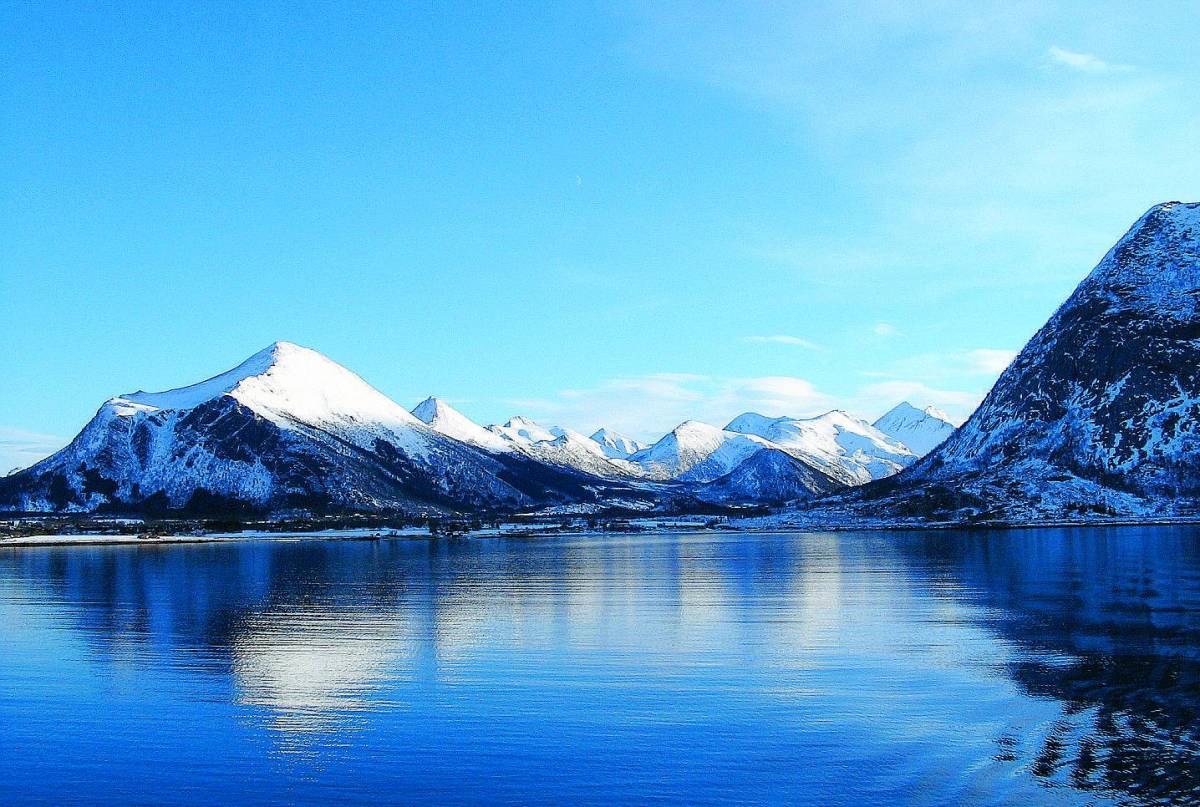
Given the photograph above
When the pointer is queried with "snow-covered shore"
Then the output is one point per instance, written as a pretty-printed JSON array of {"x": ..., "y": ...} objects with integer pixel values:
[{"x": 59, "y": 539}]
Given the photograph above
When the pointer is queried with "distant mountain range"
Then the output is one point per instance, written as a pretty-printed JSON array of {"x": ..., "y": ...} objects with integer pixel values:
[
  {"x": 1099, "y": 416},
  {"x": 285, "y": 431},
  {"x": 289, "y": 431}
]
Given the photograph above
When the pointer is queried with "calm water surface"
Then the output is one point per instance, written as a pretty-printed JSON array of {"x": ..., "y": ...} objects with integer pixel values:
[{"x": 1020, "y": 667}]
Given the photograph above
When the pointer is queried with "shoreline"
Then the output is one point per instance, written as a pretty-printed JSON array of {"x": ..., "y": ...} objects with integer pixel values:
[
  {"x": 129, "y": 539},
  {"x": 423, "y": 534}
]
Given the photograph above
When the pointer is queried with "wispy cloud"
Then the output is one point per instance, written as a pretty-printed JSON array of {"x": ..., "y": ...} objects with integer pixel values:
[
  {"x": 973, "y": 365},
  {"x": 1085, "y": 62},
  {"x": 986, "y": 361},
  {"x": 885, "y": 329},
  {"x": 20, "y": 449},
  {"x": 1004, "y": 179},
  {"x": 783, "y": 339},
  {"x": 648, "y": 406}
]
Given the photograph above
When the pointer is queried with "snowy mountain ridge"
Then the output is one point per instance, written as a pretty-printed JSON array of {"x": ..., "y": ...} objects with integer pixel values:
[
  {"x": 844, "y": 447},
  {"x": 289, "y": 427}
]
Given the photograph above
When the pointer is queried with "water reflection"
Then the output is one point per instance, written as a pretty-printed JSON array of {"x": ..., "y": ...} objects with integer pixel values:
[
  {"x": 939, "y": 667},
  {"x": 1108, "y": 625}
]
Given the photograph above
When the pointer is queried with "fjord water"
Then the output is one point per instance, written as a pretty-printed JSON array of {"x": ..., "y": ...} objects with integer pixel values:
[{"x": 1042, "y": 666}]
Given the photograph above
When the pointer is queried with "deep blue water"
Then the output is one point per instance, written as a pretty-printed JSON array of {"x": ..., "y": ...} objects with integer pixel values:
[{"x": 1047, "y": 666}]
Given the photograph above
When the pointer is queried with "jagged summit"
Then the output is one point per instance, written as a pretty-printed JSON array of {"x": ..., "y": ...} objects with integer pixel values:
[
  {"x": 616, "y": 445},
  {"x": 195, "y": 394},
  {"x": 444, "y": 418},
  {"x": 904, "y": 409},
  {"x": 521, "y": 429},
  {"x": 1154, "y": 263},
  {"x": 430, "y": 409},
  {"x": 752, "y": 423},
  {"x": 940, "y": 414}
]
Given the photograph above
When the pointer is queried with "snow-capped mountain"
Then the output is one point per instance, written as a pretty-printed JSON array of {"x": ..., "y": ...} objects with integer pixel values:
[
  {"x": 563, "y": 448},
  {"x": 696, "y": 452},
  {"x": 570, "y": 449},
  {"x": 769, "y": 476},
  {"x": 840, "y": 445},
  {"x": 920, "y": 430},
  {"x": 444, "y": 418},
  {"x": 616, "y": 445},
  {"x": 1100, "y": 413},
  {"x": 287, "y": 428}
]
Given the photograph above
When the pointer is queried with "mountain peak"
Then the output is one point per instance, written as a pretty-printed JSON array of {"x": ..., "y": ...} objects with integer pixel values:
[
  {"x": 192, "y": 395},
  {"x": 1178, "y": 210},
  {"x": 751, "y": 423},
  {"x": 1098, "y": 413},
  {"x": 696, "y": 451},
  {"x": 837, "y": 415},
  {"x": 616, "y": 445},
  {"x": 1108, "y": 386},
  {"x": 431, "y": 408},
  {"x": 934, "y": 412},
  {"x": 444, "y": 418},
  {"x": 1154, "y": 264},
  {"x": 283, "y": 382},
  {"x": 520, "y": 429}
]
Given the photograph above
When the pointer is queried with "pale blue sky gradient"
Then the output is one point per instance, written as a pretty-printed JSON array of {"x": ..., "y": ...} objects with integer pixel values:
[{"x": 589, "y": 213}]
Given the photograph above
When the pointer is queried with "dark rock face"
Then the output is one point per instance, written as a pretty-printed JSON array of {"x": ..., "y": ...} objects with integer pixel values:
[
  {"x": 1100, "y": 412},
  {"x": 769, "y": 476}
]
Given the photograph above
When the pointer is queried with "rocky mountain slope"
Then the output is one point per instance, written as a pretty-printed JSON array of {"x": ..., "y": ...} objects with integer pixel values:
[{"x": 1098, "y": 415}]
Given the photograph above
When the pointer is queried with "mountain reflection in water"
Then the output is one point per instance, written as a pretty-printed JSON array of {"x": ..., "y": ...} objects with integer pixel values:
[{"x": 1042, "y": 666}]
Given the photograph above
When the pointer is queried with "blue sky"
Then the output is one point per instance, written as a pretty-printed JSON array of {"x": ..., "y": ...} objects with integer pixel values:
[{"x": 589, "y": 213}]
